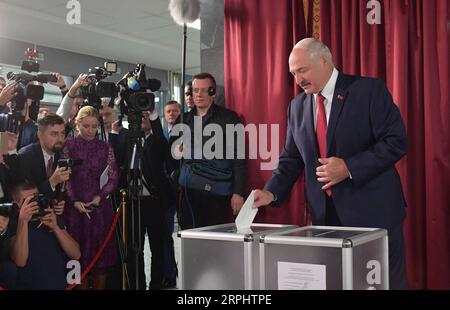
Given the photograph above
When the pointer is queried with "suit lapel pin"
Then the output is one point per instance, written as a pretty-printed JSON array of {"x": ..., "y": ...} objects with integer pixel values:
[{"x": 340, "y": 97}]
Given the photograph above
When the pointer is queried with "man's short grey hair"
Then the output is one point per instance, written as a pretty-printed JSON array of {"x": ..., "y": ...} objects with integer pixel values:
[{"x": 316, "y": 49}]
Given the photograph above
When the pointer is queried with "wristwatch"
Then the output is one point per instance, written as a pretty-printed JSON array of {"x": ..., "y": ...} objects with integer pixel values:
[{"x": 275, "y": 198}]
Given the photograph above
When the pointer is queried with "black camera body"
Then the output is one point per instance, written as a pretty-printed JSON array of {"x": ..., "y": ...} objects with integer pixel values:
[
  {"x": 97, "y": 89},
  {"x": 26, "y": 90},
  {"x": 43, "y": 203},
  {"x": 135, "y": 97},
  {"x": 139, "y": 102},
  {"x": 69, "y": 162},
  {"x": 8, "y": 209}
]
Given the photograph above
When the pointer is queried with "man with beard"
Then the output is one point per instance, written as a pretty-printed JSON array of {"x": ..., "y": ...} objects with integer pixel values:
[{"x": 38, "y": 161}]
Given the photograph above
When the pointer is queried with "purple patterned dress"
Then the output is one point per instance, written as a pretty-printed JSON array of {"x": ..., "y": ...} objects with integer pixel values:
[{"x": 83, "y": 185}]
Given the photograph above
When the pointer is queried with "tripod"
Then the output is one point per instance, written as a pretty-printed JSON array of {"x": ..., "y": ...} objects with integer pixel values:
[{"x": 135, "y": 183}]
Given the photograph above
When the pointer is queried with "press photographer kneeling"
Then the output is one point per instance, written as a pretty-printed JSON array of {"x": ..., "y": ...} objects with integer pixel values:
[{"x": 41, "y": 245}]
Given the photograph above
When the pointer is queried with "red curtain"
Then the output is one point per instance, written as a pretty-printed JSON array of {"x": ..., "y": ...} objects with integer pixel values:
[
  {"x": 409, "y": 49},
  {"x": 259, "y": 36}
]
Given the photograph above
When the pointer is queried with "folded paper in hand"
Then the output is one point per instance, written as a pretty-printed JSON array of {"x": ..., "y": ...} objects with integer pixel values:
[
  {"x": 247, "y": 214},
  {"x": 104, "y": 177}
]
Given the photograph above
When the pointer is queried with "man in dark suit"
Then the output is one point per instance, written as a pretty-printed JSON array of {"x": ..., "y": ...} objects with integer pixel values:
[
  {"x": 346, "y": 133},
  {"x": 38, "y": 161},
  {"x": 172, "y": 110}
]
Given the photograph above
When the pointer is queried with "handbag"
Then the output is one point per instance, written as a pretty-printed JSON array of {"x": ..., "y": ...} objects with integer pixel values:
[{"x": 210, "y": 176}]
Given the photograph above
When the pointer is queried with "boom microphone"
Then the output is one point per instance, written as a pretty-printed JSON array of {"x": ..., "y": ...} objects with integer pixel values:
[{"x": 184, "y": 11}]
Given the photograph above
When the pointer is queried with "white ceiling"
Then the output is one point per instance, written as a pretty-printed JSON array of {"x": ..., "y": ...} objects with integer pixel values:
[{"x": 125, "y": 30}]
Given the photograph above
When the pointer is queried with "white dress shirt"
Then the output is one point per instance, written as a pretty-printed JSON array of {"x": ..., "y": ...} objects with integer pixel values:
[{"x": 327, "y": 92}]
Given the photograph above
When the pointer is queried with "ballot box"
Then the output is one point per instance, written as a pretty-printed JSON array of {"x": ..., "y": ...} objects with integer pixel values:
[
  {"x": 325, "y": 257},
  {"x": 222, "y": 258}
]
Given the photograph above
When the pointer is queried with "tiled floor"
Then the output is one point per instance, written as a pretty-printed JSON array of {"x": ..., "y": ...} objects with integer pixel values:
[{"x": 147, "y": 253}]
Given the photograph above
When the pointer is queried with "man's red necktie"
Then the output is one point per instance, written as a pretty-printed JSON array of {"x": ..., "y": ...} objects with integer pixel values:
[
  {"x": 50, "y": 167},
  {"x": 321, "y": 130}
]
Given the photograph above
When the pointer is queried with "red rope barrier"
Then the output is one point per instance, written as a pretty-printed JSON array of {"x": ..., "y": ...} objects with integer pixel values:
[{"x": 99, "y": 252}]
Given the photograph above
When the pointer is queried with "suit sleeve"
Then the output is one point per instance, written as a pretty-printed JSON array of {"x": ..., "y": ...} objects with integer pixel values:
[
  {"x": 389, "y": 133},
  {"x": 239, "y": 165},
  {"x": 27, "y": 161},
  {"x": 290, "y": 165}
]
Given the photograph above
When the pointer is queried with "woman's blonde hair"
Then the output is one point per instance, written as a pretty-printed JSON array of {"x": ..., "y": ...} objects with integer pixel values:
[{"x": 86, "y": 112}]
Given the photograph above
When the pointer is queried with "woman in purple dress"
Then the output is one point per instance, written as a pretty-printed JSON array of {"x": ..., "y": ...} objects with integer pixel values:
[{"x": 89, "y": 211}]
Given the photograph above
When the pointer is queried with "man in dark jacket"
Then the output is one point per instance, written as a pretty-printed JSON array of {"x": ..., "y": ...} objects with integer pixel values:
[{"x": 203, "y": 208}]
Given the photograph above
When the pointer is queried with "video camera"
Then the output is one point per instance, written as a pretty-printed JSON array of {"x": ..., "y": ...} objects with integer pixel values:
[
  {"x": 135, "y": 97},
  {"x": 43, "y": 203},
  {"x": 69, "y": 163},
  {"x": 26, "y": 90},
  {"x": 8, "y": 209},
  {"x": 97, "y": 89}
]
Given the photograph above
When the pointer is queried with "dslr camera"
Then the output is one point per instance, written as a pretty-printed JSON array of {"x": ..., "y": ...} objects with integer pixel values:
[
  {"x": 98, "y": 89},
  {"x": 8, "y": 209},
  {"x": 43, "y": 203},
  {"x": 69, "y": 162}
]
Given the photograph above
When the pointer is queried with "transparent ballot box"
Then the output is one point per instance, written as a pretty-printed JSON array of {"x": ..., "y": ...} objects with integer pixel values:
[
  {"x": 325, "y": 257},
  {"x": 221, "y": 258}
]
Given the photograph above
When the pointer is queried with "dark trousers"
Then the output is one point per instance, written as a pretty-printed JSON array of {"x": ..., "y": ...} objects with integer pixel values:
[
  {"x": 397, "y": 261},
  {"x": 200, "y": 209},
  {"x": 170, "y": 265},
  {"x": 153, "y": 222}
]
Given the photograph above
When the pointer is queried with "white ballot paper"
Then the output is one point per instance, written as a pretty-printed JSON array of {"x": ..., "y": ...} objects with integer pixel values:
[
  {"x": 104, "y": 177},
  {"x": 247, "y": 214}
]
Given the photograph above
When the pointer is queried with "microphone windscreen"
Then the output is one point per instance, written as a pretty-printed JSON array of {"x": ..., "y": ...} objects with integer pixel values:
[
  {"x": 184, "y": 11},
  {"x": 133, "y": 84}
]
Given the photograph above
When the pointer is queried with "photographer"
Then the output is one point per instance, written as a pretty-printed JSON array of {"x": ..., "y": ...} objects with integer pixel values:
[
  {"x": 38, "y": 161},
  {"x": 8, "y": 168},
  {"x": 72, "y": 98},
  {"x": 4, "y": 221},
  {"x": 7, "y": 92},
  {"x": 8, "y": 270},
  {"x": 41, "y": 245},
  {"x": 24, "y": 111}
]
